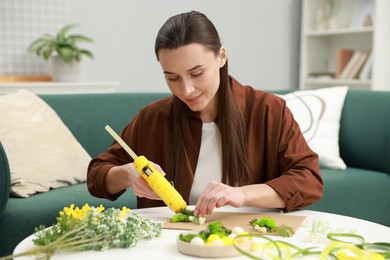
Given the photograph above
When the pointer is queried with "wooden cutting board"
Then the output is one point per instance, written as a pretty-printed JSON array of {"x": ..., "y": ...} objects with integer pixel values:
[{"x": 238, "y": 219}]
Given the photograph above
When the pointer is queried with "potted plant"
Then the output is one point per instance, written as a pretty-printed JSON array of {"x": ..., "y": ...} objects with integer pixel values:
[{"x": 63, "y": 51}]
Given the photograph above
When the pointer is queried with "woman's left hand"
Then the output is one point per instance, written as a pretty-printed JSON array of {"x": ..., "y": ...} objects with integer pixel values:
[{"x": 217, "y": 195}]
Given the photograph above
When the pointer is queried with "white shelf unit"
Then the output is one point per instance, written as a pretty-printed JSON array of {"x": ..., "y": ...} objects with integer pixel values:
[
  {"x": 59, "y": 87},
  {"x": 318, "y": 46}
]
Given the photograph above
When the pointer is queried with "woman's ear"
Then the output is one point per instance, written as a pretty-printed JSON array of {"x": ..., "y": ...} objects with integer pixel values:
[{"x": 222, "y": 56}]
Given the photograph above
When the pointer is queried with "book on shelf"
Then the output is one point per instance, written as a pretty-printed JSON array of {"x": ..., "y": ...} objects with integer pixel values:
[
  {"x": 366, "y": 70},
  {"x": 348, "y": 67},
  {"x": 360, "y": 65},
  {"x": 355, "y": 64},
  {"x": 342, "y": 58},
  {"x": 354, "y": 72}
]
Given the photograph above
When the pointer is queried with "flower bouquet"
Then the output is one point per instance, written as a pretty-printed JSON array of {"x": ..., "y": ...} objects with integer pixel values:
[{"x": 91, "y": 228}]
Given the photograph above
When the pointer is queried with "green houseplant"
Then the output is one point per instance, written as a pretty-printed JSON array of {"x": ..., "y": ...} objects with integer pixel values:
[{"x": 63, "y": 51}]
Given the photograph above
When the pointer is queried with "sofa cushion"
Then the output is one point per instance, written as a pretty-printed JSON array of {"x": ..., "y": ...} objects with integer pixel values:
[
  {"x": 5, "y": 180},
  {"x": 87, "y": 115},
  {"x": 356, "y": 193},
  {"x": 318, "y": 114},
  {"x": 41, "y": 150},
  {"x": 365, "y": 130}
]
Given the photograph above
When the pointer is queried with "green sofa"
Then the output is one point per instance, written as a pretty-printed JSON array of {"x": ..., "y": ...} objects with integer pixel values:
[{"x": 362, "y": 191}]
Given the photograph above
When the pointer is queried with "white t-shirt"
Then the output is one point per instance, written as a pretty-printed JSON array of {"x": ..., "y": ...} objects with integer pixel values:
[{"x": 209, "y": 166}]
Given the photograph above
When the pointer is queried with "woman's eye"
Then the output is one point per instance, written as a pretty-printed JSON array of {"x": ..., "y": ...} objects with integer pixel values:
[
  {"x": 197, "y": 74},
  {"x": 173, "y": 79}
]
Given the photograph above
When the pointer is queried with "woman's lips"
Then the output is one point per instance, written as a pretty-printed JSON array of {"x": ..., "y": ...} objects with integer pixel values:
[{"x": 194, "y": 100}]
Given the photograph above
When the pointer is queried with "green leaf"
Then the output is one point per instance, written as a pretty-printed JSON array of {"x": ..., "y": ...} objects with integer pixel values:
[
  {"x": 79, "y": 38},
  {"x": 284, "y": 231},
  {"x": 77, "y": 54},
  {"x": 87, "y": 53},
  {"x": 66, "y": 54},
  {"x": 47, "y": 53},
  {"x": 38, "y": 44},
  {"x": 43, "y": 48},
  {"x": 61, "y": 34}
]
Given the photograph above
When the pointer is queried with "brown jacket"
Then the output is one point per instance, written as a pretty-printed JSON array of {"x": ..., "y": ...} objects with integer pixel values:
[{"x": 278, "y": 153}]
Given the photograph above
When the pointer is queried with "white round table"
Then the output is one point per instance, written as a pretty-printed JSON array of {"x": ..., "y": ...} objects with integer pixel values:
[{"x": 164, "y": 247}]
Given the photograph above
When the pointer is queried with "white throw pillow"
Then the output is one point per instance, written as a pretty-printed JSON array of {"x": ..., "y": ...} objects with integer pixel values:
[
  {"x": 318, "y": 114},
  {"x": 41, "y": 151}
]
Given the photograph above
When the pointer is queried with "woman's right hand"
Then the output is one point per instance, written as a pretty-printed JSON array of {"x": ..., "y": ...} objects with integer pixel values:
[
  {"x": 126, "y": 176},
  {"x": 140, "y": 187}
]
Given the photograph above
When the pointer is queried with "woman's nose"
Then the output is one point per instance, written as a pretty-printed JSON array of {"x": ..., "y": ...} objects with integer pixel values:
[{"x": 188, "y": 87}]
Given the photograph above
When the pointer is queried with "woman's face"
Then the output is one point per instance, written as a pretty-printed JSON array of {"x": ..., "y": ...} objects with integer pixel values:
[{"x": 192, "y": 74}]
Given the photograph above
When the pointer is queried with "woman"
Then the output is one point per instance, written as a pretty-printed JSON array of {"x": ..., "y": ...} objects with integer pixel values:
[{"x": 218, "y": 141}]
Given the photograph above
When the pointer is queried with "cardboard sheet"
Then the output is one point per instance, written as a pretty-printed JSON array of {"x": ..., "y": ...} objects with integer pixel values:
[{"x": 238, "y": 219}]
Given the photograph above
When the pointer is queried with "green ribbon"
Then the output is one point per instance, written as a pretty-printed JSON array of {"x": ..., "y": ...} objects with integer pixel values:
[{"x": 341, "y": 240}]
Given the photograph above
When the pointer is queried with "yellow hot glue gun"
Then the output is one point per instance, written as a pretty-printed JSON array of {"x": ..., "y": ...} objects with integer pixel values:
[{"x": 155, "y": 179}]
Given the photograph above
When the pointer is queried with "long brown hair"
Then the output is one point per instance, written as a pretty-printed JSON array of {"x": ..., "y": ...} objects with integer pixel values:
[{"x": 195, "y": 27}]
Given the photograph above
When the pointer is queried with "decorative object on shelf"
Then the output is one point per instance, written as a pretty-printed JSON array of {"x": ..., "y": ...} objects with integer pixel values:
[
  {"x": 63, "y": 51},
  {"x": 321, "y": 21},
  {"x": 367, "y": 21},
  {"x": 326, "y": 17}
]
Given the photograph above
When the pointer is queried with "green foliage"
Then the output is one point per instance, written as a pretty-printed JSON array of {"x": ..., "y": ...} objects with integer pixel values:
[
  {"x": 187, "y": 215},
  {"x": 266, "y": 222},
  {"x": 61, "y": 44},
  {"x": 187, "y": 212},
  {"x": 204, "y": 235},
  {"x": 270, "y": 225},
  {"x": 91, "y": 228},
  {"x": 187, "y": 237},
  {"x": 217, "y": 228},
  {"x": 284, "y": 231},
  {"x": 180, "y": 218}
]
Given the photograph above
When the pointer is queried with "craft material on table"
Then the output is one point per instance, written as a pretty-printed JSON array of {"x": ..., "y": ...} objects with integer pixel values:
[{"x": 238, "y": 219}]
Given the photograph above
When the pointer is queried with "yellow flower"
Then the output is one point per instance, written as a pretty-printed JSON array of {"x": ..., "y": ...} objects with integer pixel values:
[
  {"x": 89, "y": 228},
  {"x": 100, "y": 209},
  {"x": 76, "y": 213},
  {"x": 124, "y": 212}
]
